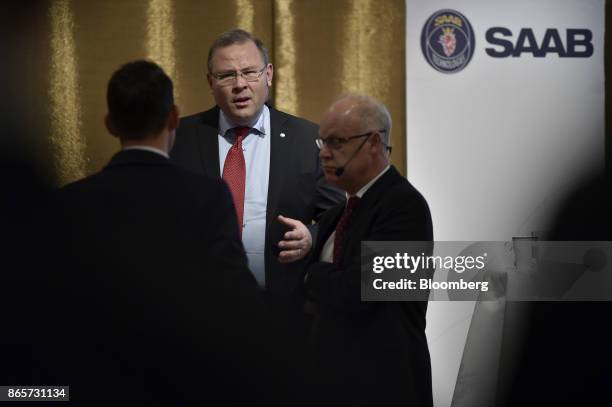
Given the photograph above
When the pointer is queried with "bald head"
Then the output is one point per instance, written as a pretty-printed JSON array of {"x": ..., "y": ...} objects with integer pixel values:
[
  {"x": 363, "y": 112},
  {"x": 355, "y": 131}
]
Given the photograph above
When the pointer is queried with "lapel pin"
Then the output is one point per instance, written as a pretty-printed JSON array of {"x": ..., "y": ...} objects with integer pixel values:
[{"x": 282, "y": 135}]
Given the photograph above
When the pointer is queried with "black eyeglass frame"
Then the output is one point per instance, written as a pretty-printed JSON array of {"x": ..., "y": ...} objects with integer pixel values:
[{"x": 336, "y": 143}]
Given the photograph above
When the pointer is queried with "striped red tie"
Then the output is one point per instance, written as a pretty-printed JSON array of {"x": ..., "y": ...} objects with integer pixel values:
[{"x": 234, "y": 172}]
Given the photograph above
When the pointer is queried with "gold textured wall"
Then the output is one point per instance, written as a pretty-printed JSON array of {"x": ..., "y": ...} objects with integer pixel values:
[{"x": 320, "y": 49}]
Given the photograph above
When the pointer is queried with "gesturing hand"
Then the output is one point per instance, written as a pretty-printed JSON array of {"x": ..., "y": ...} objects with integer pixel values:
[{"x": 296, "y": 242}]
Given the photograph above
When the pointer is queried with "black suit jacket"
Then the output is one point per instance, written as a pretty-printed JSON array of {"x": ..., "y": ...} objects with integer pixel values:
[
  {"x": 146, "y": 257},
  {"x": 365, "y": 351},
  {"x": 296, "y": 189}
]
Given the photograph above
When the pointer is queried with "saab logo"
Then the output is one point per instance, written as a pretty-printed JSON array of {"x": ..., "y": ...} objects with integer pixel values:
[
  {"x": 578, "y": 43},
  {"x": 447, "y": 41}
]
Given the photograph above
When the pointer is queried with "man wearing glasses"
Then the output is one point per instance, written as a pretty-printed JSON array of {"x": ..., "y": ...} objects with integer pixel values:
[
  {"x": 268, "y": 159},
  {"x": 365, "y": 351}
]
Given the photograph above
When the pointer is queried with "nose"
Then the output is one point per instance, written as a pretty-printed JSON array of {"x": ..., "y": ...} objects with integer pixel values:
[
  {"x": 325, "y": 153},
  {"x": 240, "y": 82}
]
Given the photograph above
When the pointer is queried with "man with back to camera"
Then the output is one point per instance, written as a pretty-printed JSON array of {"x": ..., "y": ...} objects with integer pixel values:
[
  {"x": 147, "y": 254},
  {"x": 365, "y": 351},
  {"x": 267, "y": 157}
]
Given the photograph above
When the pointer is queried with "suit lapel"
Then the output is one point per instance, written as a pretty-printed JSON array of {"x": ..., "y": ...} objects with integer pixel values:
[
  {"x": 208, "y": 141},
  {"x": 281, "y": 143},
  {"x": 378, "y": 189},
  {"x": 368, "y": 202}
]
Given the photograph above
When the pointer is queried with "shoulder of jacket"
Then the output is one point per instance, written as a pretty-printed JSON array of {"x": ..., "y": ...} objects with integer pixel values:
[{"x": 291, "y": 119}]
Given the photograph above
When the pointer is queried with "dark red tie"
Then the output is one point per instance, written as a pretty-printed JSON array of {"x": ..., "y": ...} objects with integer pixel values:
[
  {"x": 342, "y": 226},
  {"x": 234, "y": 173}
]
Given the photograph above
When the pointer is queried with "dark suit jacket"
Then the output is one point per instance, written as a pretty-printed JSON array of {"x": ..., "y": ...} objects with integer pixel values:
[
  {"x": 296, "y": 189},
  {"x": 366, "y": 351},
  {"x": 147, "y": 256}
]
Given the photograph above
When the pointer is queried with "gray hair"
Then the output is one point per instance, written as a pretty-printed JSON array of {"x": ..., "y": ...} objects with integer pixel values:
[
  {"x": 373, "y": 113},
  {"x": 236, "y": 36}
]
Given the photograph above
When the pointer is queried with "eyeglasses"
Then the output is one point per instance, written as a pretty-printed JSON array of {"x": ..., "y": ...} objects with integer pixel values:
[
  {"x": 250, "y": 75},
  {"x": 336, "y": 143}
]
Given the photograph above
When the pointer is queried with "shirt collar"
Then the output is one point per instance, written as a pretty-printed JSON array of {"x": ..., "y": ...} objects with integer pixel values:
[
  {"x": 147, "y": 148},
  {"x": 367, "y": 186},
  {"x": 260, "y": 124}
]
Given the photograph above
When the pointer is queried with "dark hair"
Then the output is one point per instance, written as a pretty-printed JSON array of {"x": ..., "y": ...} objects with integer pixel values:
[
  {"x": 236, "y": 36},
  {"x": 139, "y": 98}
]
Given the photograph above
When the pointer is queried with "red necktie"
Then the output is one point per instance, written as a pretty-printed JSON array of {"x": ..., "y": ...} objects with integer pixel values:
[
  {"x": 234, "y": 172},
  {"x": 342, "y": 225}
]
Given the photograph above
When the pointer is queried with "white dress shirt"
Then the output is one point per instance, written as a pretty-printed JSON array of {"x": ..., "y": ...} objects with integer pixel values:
[
  {"x": 147, "y": 148},
  {"x": 256, "y": 149}
]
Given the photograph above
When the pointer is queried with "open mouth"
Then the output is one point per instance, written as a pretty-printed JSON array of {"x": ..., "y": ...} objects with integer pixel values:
[{"x": 242, "y": 102}]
